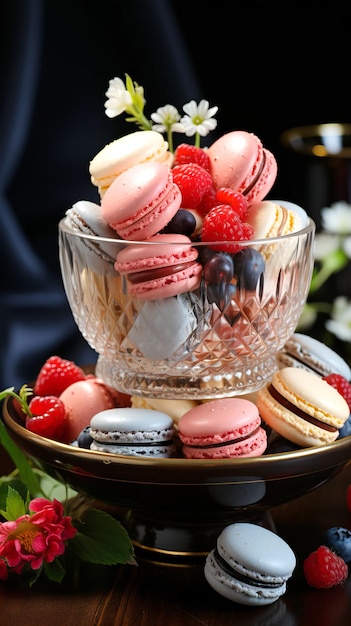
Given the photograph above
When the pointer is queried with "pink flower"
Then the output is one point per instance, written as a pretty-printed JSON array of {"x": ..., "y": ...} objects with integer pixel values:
[{"x": 34, "y": 538}]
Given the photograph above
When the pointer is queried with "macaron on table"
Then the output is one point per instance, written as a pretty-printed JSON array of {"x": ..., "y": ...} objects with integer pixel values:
[{"x": 187, "y": 281}]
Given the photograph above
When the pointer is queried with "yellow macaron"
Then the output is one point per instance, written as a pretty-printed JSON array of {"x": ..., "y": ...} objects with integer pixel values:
[
  {"x": 302, "y": 407},
  {"x": 121, "y": 154}
]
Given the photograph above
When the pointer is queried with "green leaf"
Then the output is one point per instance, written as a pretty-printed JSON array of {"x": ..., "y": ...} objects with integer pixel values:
[
  {"x": 15, "y": 506},
  {"x": 102, "y": 539},
  {"x": 54, "y": 571},
  {"x": 55, "y": 489},
  {"x": 11, "y": 481},
  {"x": 26, "y": 473}
]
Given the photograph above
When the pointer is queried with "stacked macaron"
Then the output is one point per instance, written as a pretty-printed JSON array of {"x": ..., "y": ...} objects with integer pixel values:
[{"x": 147, "y": 193}]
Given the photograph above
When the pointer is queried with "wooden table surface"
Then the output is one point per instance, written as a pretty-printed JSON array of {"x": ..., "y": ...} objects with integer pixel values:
[{"x": 153, "y": 595}]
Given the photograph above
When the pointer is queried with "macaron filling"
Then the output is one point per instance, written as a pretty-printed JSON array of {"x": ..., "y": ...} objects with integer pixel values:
[
  {"x": 244, "y": 578},
  {"x": 161, "y": 272},
  {"x": 299, "y": 412},
  {"x": 228, "y": 442},
  {"x": 253, "y": 182}
]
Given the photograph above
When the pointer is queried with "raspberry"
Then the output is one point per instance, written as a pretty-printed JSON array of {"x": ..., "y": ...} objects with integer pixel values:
[
  {"x": 222, "y": 223},
  {"x": 186, "y": 153},
  {"x": 193, "y": 181},
  {"x": 55, "y": 375},
  {"x": 341, "y": 384},
  {"x": 208, "y": 201},
  {"x": 235, "y": 199},
  {"x": 324, "y": 569},
  {"x": 48, "y": 417}
]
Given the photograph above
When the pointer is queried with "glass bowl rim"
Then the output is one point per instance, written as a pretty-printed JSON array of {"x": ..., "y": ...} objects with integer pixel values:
[{"x": 308, "y": 228}]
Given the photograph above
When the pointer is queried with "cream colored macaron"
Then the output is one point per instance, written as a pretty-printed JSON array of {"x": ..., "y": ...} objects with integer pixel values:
[
  {"x": 302, "y": 407},
  {"x": 121, "y": 154}
]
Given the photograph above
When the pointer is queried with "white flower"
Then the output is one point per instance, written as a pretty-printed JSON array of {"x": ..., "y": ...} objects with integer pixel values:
[
  {"x": 347, "y": 246},
  {"x": 199, "y": 119},
  {"x": 119, "y": 99},
  {"x": 340, "y": 322},
  {"x": 324, "y": 245},
  {"x": 166, "y": 118},
  {"x": 337, "y": 218}
]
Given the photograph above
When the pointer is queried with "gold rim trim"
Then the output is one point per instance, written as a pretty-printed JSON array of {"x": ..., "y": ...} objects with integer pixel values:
[{"x": 320, "y": 140}]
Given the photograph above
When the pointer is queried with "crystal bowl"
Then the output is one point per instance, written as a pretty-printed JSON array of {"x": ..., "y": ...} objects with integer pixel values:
[
  {"x": 217, "y": 340},
  {"x": 175, "y": 508}
]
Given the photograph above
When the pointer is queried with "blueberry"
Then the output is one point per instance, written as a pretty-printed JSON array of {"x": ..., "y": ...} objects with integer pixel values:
[
  {"x": 339, "y": 540},
  {"x": 205, "y": 254},
  {"x": 220, "y": 294},
  {"x": 249, "y": 265},
  {"x": 182, "y": 222},
  {"x": 345, "y": 431},
  {"x": 84, "y": 438},
  {"x": 218, "y": 269}
]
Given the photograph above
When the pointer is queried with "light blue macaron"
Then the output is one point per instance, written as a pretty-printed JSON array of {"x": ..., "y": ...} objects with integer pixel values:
[{"x": 250, "y": 565}]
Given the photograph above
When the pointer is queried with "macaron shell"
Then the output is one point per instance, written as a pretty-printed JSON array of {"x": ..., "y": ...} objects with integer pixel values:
[
  {"x": 169, "y": 251},
  {"x": 254, "y": 445},
  {"x": 309, "y": 353},
  {"x": 310, "y": 394},
  {"x": 233, "y": 157},
  {"x": 253, "y": 552},
  {"x": 265, "y": 181},
  {"x": 270, "y": 219},
  {"x": 141, "y": 201},
  {"x": 239, "y": 161},
  {"x": 85, "y": 217},
  {"x": 205, "y": 427},
  {"x": 131, "y": 425},
  {"x": 258, "y": 551},
  {"x": 313, "y": 395},
  {"x": 85, "y": 398},
  {"x": 125, "y": 152},
  {"x": 164, "y": 326}
]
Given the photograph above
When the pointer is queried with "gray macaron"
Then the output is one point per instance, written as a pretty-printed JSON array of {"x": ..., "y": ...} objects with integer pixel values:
[{"x": 133, "y": 432}]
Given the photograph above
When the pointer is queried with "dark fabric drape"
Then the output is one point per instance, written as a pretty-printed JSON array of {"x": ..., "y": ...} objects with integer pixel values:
[{"x": 267, "y": 65}]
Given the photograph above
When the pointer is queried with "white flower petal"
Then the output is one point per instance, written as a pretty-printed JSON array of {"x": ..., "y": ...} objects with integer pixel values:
[
  {"x": 324, "y": 245},
  {"x": 337, "y": 218}
]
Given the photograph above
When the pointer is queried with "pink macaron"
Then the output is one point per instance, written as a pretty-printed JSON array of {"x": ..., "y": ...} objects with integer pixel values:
[
  {"x": 240, "y": 162},
  {"x": 84, "y": 398},
  {"x": 167, "y": 268},
  {"x": 224, "y": 428},
  {"x": 141, "y": 201}
]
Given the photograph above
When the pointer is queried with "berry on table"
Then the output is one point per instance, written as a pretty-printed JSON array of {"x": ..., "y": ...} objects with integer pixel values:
[
  {"x": 341, "y": 384},
  {"x": 323, "y": 568},
  {"x": 56, "y": 375},
  {"x": 338, "y": 539}
]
